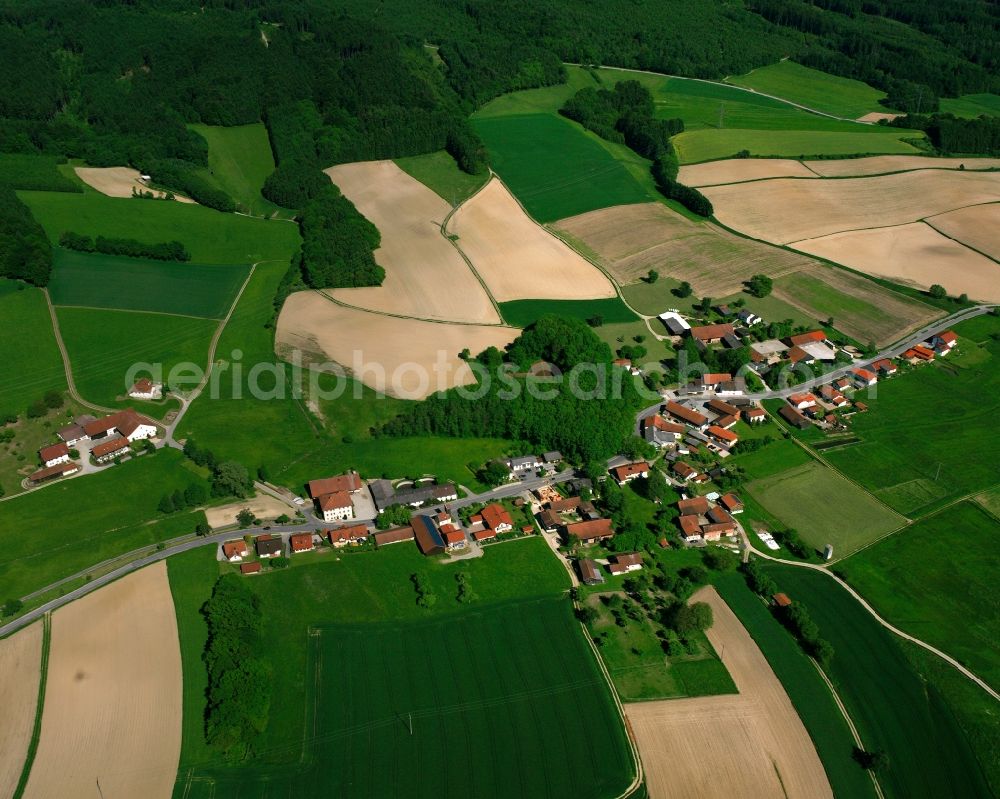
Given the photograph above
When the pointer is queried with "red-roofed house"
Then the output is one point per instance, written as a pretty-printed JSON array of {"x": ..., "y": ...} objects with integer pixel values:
[
  {"x": 798, "y": 355},
  {"x": 235, "y": 551},
  {"x": 685, "y": 414},
  {"x": 864, "y": 377},
  {"x": 53, "y": 454},
  {"x": 485, "y": 534},
  {"x": 884, "y": 366},
  {"x": 146, "y": 389},
  {"x": 453, "y": 537},
  {"x": 812, "y": 337},
  {"x": 496, "y": 518},
  {"x": 690, "y": 528},
  {"x": 109, "y": 450},
  {"x": 336, "y": 506},
  {"x": 725, "y": 437},
  {"x": 250, "y": 568},
  {"x": 353, "y": 535},
  {"x": 624, "y": 563},
  {"x": 919, "y": 353},
  {"x": 125, "y": 422},
  {"x": 630, "y": 471},
  {"x": 301, "y": 542},
  {"x": 684, "y": 471},
  {"x": 832, "y": 396},
  {"x": 710, "y": 380},
  {"x": 731, "y": 503},
  {"x": 711, "y": 334},
  {"x": 944, "y": 342},
  {"x": 590, "y": 531},
  {"x": 695, "y": 506},
  {"x": 754, "y": 415},
  {"x": 801, "y": 401}
]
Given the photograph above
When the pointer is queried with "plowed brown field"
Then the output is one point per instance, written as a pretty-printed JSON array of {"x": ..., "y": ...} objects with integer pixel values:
[
  {"x": 739, "y": 170},
  {"x": 20, "y": 670},
  {"x": 979, "y": 227},
  {"x": 117, "y": 181}
]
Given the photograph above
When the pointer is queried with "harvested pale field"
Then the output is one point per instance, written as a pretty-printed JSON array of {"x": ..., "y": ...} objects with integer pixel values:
[
  {"x": 740, "y": 170},
  {"x": 406, "y": 358},
  {"x": 117, "y": 181},
  {"x": 784, "y": 210},
  {"x": 629, "y": 240},
  {"x": 915, "y": 255},
  {"x": 885, "y": 164},
  {"x": 861, "y": 308},
  {"x": 517, "y": 258},
  {"x": 262, "y": 506},
  {"x": 20, "y": 670},
  {"x": 425, "y": 275},
  {"x": 113, "y": 694},
  {"x": 978, "y": 227},
  {"x": 752, "y": 744},
  {"x": 877, "y": 116}
]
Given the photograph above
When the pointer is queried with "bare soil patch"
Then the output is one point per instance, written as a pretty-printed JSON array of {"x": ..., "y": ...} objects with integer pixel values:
[
  {"x": 978, "y": 227},
  {"x": 913, "y": 254},
  {"x": 20, "y": 671},
  {"x": 262, "y": 506},
  {"x": 749, "y": 745},
  {"x": 113, "y": 694},
  {"x": 784, "y": 210},
  {"x": 517, "y": 258},
  {"x": 739, "y": 170},
  {"x": 405, "y": 358},
  {"x": 861, "y": 308},
  {"x": 425, "y": 275},
  {"x": 118, "y": 181},
  {"x": 884, "y": 164},
  {"x": 877, "y": 116},
  {"x": 629, "y": 240}
]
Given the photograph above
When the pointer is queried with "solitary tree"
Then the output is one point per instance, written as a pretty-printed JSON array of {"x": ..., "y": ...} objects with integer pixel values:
[
  {"x": 652, "y": 276},
  {"x": 760, "y": 285},
  {"x": 245, "y": 517},
  {"x": 937, "y": 291},
  {"x": 683, "y": 290}
]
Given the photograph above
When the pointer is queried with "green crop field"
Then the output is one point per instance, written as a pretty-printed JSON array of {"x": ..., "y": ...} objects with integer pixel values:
[
  {"x": 239, "y": 161},
  {"x": 457, "y": 669},
  {"x": 439, "y": 172},
  {"x": 937, "y": 580},
  {"x": 971, "y": 105},
  {"x": 53, "y": 532},
  {"x": 825, "y": 508},
  {"x": 556, "y": 169},
  {"x": 811, "y": 697},
  {"x": 210, "y": 236},
  {"x": 781, "y": 455},
  {"x": 32, "y": 364},
  {"x": 34, "y": 173},
  {"x": 707, "y": 145},
  {"x": 929, "y": 436},
  {"x": 814, "y": 89},
  {"x": 893, "y": 708},
  {"x": 521, "y": 313},
  {"x": 138, "y": 284},
  {"x": 104, "y": 345}
]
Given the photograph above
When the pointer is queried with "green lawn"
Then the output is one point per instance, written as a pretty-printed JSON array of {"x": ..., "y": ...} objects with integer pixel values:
[
  {"x": 336, "y": 603},
  {"x": 53, "y": 532},
  {"x": 210, "y": 236},
  {"x": 104, "y": 345},
  {"x": 893, "y": 708},
  {"x": 811, "y": 697},
  {"x": 139, "y": 284},
  {"x": 695, "y": 146},
  {"x": 439, "y": 172},
  {"x": 937, "y": 580},
  {"x": 34, "y": 173},
  {"x": 814, "y": 89},
  {"x": 781, "y": 455},
  {"x": 521, "y": 313},
  {"x": 554, "y": 168},
  {"x": 929, "y": 436},
  {"x": 971, "y": 105},
  {"x": 825, "y": 508},
  {"x": 28, "y": 351},
  {"x": 239, "y": 161}
]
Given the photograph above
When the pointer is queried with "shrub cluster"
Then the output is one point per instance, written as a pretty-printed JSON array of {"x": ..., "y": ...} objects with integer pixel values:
[
  {"x": 163, "y": 251},
  {"x": 229, "y": 478},
  {"x": 239, "y": 678}
]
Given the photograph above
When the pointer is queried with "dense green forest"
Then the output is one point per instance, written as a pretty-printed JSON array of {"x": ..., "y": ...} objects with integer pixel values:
[
  {"x": 25, "y": 252},
  {"x": 954, "y": 136}
]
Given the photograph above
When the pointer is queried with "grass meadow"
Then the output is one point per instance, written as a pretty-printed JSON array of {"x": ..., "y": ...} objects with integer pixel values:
[
  {"x": 971, "y": 105},
  {"x": 708, "y": 144},
  {"x": 825, "y": 507},
  {"x": 439, "y": 172},
  {"x": 210, "y": 236},
  {"x": 104, "y": 345},
  {"x": 28, "y": 351},
  {"x": 894, "y": 709},
  {"x": 239, "y": 161},
  {"x": 554, "y": 168},
  {"x": 937, "y": 580},
  {"x": 58, "y": 530},
  {"x": 929, "y": 436},
  {"x": 94, "y": 280},
  {"x": 34, "y": 173},
  {"x": 842, "y": 97},
  {"x": 521, "y": 313},
  {"x": 805, "y": 688},
  {"x": 497, "y": 672}
]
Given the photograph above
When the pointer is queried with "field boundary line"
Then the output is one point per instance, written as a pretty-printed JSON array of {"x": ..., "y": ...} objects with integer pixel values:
[
  {"x": 67, "y": 365},
  {"x": 335, "y": 301},
  {"x": 890, "y": 627},
  {"x": 138, "y": 310},
  {"x": 36, "y": 731},
  {"x": 926, "y": 221}
]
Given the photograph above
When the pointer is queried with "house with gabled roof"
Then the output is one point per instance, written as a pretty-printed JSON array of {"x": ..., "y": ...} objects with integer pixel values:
[
  {"x": 53, "y": 454},
  {"x": 864, "y": 377},
  {"x": 590, "y": 531},
  {"x": 301, "y": 542},
  {"x": 685, "y": 471},
  {"x": 685, "y": 414},
  {"x": 711, "y": 334},
  {"x": 802, "y": 400},
  {"x": 624, "y": 562},
  {"x": 944, "y": 342},
  {"x": 695, "y": 506},
  {"x": 268, "y": 546},
  {"x": 754, "y": 415},
  {"x": 731, "y": 503},
  {"x": 235, "y": 551},
  {"x": 496, "y": 518},
  {"x": 793, "y": 417},
  {"x": 812, "y": 337},
  {"x": 884, "y": 366},
  {"x": 352, "y": 535},
  {"x": 630, "y": 471},
  {"x": 722, "y": 436},
  {"x": 590, "y": 572}
]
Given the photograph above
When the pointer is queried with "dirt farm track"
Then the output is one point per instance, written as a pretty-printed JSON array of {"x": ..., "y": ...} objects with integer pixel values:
[
  {"x": 750, "y": 745},
  {"x": 113, "y": 695}
]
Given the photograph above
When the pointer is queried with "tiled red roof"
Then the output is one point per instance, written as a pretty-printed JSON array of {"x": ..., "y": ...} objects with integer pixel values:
[
  {"x": 53, "y": 451},
  {"x": 332, "y": 485},
  {"x": 811, "y": 337},
  {"x": 629, "y": 469},
  {"x": 301, "y": 542},
  {"x": 495, "y": 515},
  {"x": 334, "y": 501}
]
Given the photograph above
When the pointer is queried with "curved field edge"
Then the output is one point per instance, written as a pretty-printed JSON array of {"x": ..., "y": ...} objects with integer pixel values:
[{"x": 36, "y": 728}]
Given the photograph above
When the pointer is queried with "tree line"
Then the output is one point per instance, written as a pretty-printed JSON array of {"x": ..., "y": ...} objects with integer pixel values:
[
  {"x": 25, "y": 251},
  {"x": 162, "y": 251},
  {"x": 338, "y": 243},
  {"x": 953, "y": 135}
]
